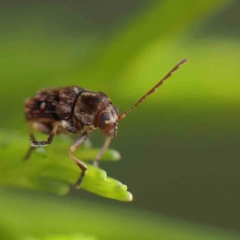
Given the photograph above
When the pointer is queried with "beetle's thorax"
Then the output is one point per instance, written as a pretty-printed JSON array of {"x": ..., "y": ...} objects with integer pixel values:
[{"x": 95, "y": 109}]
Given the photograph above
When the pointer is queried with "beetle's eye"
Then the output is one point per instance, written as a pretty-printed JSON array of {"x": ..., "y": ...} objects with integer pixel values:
[
  {"x": 117, "y": 111},
  {"x": 102, "y": 120}
]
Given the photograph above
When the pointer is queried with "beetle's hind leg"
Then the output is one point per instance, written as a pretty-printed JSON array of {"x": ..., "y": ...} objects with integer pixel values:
[
  {"x": 29, "y": 152},
  {"x": 34, "y": 143}
]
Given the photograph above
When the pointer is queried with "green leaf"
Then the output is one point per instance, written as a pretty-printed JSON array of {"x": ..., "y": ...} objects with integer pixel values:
[{"x": 53, "y": 171}]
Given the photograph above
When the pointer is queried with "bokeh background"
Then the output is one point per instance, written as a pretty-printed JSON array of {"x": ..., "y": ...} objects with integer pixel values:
[{"x": 180, "y": 149}]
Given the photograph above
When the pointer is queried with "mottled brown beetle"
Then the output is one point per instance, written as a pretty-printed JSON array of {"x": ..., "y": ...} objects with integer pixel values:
[{"x": 76, "y": 110}]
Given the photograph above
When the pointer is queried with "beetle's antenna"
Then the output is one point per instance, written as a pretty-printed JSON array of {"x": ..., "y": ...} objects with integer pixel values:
[{"x": 123, "y": 115}]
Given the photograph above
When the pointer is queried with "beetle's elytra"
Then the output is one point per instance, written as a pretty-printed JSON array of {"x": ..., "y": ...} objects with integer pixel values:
[{"x": 76, "y": 110}]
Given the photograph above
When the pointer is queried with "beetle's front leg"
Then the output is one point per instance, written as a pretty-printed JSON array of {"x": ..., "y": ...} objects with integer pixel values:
[{"x": 80, "y": 164}]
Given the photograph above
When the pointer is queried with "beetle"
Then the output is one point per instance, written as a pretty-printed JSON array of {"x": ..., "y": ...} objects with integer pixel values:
[{"x": 76, "y": 110}]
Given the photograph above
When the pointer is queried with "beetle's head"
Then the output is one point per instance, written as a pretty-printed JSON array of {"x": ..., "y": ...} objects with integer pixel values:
[{"x": 107, "y": 120}]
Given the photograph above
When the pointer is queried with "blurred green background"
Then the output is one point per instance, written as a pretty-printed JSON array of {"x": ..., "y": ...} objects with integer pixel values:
[{"x": 180, "y": 149}]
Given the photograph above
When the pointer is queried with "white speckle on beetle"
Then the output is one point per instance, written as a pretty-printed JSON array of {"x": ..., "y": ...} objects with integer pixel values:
[
  {"x": 43, "y": 105},
  {"x": 75, "y": 90}
]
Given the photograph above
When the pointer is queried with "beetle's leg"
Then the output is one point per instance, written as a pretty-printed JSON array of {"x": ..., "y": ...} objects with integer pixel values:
[
  {"x": 78, "y": 143},
  {"x": 35, "y": 143},
  {"x": 44, "y": 129},
  {"x": 37, "y": 126},
  {"x": 29, "y": 152},
  {"x": 101, "y": 152}
]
